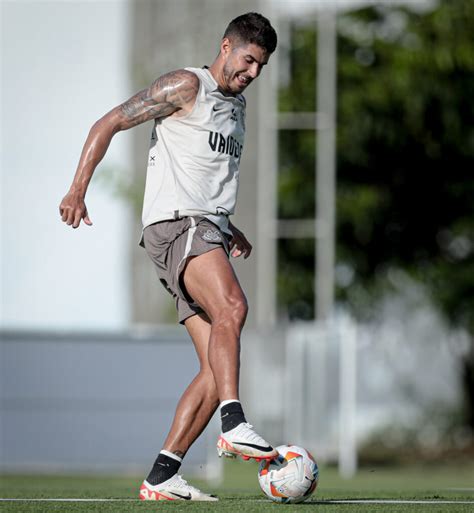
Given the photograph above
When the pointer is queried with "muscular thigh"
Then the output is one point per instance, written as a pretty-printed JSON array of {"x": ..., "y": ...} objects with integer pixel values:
[
  {"x": 171, "y": 245},
  {"x": 211, "y": 281}
]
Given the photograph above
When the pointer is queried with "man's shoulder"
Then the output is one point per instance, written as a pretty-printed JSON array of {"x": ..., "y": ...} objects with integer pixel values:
[
  {"x": 177, "y": 88},
  {"x": 204, "y": 77},
  {"x": 182, "y": 75}
]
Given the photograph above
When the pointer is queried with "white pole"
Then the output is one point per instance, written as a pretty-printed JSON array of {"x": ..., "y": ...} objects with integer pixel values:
[
  {"x": 266, "y": 250},
  {"x": 214, "y": 469},
  {"x": 347, "y": 399},
  {"x": 325, "y": 164},
  {"x": 294, "y": 385},
  {"x": 325, "y": 196}
]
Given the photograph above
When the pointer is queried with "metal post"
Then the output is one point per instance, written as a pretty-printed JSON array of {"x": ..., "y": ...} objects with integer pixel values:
[
  {"x": 267, "y": 194},
  {"x": 325, "y": 164},
  {"x": 347, "y": 399}
]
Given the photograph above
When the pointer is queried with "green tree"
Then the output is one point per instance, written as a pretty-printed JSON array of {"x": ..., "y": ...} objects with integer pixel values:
[{"x": 404, "y": 159}]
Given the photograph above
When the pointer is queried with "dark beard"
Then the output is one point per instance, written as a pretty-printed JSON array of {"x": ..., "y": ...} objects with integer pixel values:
[{"x": 229, "y": 75}]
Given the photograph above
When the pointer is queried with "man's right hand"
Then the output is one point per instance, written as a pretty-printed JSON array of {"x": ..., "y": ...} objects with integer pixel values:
[{"x": 72, "y": 209}]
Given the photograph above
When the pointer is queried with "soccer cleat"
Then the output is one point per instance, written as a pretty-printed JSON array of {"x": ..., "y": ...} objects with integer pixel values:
[
  {"x": 174, "y": 489},
  {"x": 243, "y": 441}
]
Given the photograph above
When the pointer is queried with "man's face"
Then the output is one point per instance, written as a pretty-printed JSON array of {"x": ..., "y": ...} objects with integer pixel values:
[{"x": 243, "y": 63}]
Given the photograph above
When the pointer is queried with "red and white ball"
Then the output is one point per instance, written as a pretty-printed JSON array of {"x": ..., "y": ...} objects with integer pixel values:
[{"x": 291, "y": 477}]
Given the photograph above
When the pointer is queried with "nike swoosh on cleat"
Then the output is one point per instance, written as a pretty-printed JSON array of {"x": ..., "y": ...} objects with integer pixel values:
[
  {"x": 185, "y": 497},
  {"x": 259, "y": 447}
]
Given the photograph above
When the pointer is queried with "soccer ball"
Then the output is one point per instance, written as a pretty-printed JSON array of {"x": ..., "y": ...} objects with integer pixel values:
[{"x": 290, "y": 477}]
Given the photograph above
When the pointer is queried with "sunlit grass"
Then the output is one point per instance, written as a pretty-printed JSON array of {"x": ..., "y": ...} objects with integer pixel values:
[{"x": 239, "y": 490}]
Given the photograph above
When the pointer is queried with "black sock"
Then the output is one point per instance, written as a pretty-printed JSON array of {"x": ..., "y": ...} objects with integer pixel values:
[
  {"x": 163, "y": 468},
  {"x": 232, "y": 415}
]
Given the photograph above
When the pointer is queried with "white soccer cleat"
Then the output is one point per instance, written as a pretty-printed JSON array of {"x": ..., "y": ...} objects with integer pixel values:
[
  {"x": 243, "y": 441},
  {"x": 174, "y": 489}
]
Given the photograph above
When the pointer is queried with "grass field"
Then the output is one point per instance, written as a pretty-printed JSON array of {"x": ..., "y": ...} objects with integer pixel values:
[{"x": 240, "y": 492}]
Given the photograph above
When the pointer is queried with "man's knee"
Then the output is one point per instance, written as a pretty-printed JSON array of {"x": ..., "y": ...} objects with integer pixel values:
[
  {"x": 232, "y": 311},
  {"x": 240, "y": 309}
]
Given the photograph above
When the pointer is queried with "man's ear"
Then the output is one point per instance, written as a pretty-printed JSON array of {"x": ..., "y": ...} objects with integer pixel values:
[{"x": 226, "y": 46}]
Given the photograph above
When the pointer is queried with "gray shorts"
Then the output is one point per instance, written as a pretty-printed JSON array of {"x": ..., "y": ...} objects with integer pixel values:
[{"x": 169, "y": 244}]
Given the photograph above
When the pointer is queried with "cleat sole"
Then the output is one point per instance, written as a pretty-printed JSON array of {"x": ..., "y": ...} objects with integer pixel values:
[{"x": 226, "y": 454}]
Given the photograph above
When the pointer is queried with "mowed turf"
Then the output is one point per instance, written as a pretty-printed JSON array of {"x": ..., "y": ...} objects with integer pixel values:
[{"x": 240, "y": 492}]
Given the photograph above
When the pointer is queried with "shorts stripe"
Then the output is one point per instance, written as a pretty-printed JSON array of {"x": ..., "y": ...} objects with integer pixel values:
[{"x": 187, "y": 249}]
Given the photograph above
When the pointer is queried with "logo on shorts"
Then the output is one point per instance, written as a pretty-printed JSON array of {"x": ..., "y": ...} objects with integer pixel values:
[{"x": 212, "y": 236}]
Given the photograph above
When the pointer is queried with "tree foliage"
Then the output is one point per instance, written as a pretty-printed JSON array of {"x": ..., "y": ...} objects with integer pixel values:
[{"x": 405, "y": 146}]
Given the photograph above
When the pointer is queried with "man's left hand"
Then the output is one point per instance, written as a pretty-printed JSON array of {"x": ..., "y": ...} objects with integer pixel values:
[{"x": 239, "y": 245}]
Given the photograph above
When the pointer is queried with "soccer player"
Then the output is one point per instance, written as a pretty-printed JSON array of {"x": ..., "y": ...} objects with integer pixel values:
[{"x": 191, "y": 190}]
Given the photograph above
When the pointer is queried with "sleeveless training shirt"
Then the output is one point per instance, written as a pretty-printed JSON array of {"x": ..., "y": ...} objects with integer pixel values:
[{"x": 193, "y": 163}]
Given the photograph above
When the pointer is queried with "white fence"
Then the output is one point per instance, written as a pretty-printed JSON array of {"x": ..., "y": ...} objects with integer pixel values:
[
  {"x": 329, "y": 386},
  {"x": 104, "y": 402},
  {"x": 298, "y": 391}
]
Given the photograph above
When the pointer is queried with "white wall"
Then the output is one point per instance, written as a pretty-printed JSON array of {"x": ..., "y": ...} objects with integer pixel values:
[{"x": 64, "y": 64}]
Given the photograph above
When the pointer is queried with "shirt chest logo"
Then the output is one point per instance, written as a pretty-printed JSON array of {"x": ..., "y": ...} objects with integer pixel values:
[{"x": 232, "y": 113}]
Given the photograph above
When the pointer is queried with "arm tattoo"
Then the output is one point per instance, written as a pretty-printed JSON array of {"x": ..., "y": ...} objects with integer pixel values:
[{"x": 166, "y": 95}]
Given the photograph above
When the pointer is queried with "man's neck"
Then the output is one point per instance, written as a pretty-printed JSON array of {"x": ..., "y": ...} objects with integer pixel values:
[{"x": 217, "y": 71}]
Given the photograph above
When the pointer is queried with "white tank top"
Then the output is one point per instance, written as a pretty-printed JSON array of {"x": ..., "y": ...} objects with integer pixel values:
[{"x": 193, "y": 163}]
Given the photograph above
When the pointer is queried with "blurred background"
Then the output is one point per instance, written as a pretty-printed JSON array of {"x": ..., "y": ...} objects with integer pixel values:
[{"x": 356, "y": 190}]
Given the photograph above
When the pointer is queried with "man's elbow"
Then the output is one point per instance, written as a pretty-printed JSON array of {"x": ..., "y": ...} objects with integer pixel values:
[{"x": 108, "y": 125}]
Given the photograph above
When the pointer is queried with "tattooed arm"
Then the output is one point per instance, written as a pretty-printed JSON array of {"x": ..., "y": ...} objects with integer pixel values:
[{"x": 170, "y": 94}]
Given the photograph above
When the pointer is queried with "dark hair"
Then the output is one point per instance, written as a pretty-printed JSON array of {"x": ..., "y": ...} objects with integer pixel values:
[{"x": 254, "y": 28}]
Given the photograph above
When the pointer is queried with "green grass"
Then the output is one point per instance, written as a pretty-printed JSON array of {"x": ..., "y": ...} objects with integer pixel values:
[{"x": 240, "y": 491}]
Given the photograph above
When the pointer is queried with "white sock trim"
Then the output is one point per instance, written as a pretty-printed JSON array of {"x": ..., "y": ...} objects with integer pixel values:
[
  {"x": 171, "y": 455},
  {"x": 228, "y": 401}
]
